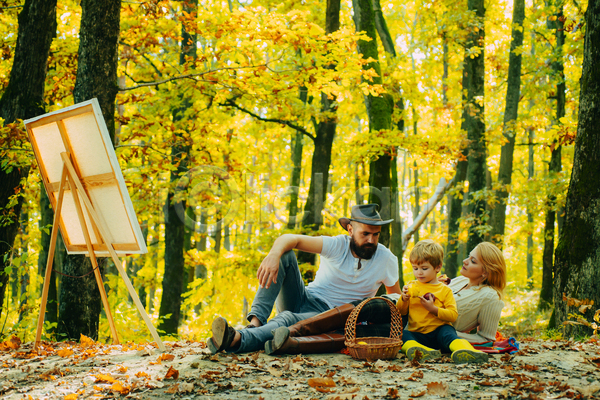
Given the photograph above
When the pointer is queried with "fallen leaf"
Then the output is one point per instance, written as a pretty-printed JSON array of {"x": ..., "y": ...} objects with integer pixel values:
[
  {"x": 315, "y": 382},
  {"x": 324, "y": 389},
  {"x": 142, "y": 374},
  {"x": 419, "y": 394},
  {"x": 11, "y": 344},
  {"x": 25, "y": 355},
  {"x": 72, "y": 396},
  {"x": 64, "y": 353},
  {"x": 416, "y": 376},
  {"x": 122, "y": 369},
  {"x": 392, "y": 393},
  {"x": 173, "y": 389},
  {"x": 118, "y": 387},
  {"x": 166, "y": 357},
  {"x": 104, "y": 378},
  {"x": 275, "y": 372},
  {"x": 172, "y": 373},
  {"x": 437, "y": 389},
  {"x": 86, "y": 341}
]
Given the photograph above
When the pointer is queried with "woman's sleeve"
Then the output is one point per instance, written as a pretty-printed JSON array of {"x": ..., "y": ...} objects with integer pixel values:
[{"x": 488, "y": 319}]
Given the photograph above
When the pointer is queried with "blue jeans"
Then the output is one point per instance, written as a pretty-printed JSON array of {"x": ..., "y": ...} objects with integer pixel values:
[
  {"x": 438, "y": 339},
  {"x": 292, "y": 300}
]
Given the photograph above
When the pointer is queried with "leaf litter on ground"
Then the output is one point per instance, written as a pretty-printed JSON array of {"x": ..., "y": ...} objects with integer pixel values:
[{"x": 89, "y": 369}]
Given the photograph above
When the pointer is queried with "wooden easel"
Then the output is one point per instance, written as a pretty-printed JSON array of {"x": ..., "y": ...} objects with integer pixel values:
[{"x": 69, "y": 176}]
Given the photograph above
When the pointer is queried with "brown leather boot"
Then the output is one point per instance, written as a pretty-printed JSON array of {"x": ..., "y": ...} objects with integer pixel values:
[
  {"x": 324, "y": 343},
  {"x": 327, "y": 321}
]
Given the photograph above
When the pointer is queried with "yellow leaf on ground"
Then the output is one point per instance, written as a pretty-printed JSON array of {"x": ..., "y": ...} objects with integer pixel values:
[
  {"x": 104, "y": 378},
  {"x": 122, "y": 369},
  {"x": 12, "y": 344},
  {"x": 64, "y": 352},
  {"x": 118, "y": 387},
  {"x": 166, "y": 357},
  {"x": 314, "y": 382},
  {"x": 72, "y": 396},
  {"x": 86, "y": 341}
]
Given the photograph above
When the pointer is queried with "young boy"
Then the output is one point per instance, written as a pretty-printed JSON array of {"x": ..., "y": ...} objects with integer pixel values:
[{"x": 431, "y": 310}]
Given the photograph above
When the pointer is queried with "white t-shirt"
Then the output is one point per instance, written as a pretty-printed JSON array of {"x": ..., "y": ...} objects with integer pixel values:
[{"x": 339, "y": 281}]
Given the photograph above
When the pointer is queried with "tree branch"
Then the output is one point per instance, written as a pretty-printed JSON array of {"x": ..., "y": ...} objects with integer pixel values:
[
  {"x": 188, "y": 76},
  {"x": 441, "y": 189},
  {"x": 298, "y": 128}
]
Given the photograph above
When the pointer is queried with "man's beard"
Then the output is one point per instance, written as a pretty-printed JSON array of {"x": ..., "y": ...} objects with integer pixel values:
[{"x": 365, "y": 251}]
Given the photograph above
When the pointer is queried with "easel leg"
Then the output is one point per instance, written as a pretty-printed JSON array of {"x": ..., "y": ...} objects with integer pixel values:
[
  {"x": 135, "y": 297},
  {"x": 74, "y": 179},
  {"x": 53, "y": 235},
  {"x": 88, "y": 241}
]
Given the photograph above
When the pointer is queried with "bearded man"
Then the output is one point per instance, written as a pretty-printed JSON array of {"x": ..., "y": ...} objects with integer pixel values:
[{"x": 351, "y": 268}]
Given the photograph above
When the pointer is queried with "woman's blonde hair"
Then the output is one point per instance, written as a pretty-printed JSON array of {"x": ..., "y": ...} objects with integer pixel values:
[{"x": 494, "y": 267}]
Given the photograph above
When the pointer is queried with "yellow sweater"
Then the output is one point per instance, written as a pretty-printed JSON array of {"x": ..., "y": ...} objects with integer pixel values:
[{"x": 421, "y": 320}]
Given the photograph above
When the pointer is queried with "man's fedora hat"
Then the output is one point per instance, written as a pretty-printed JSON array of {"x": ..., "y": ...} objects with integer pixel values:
[{"x": 365, "y": 214}]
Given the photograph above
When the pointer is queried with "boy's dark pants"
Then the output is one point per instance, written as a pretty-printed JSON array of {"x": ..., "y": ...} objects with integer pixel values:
[{"x": 438, "y": 339}]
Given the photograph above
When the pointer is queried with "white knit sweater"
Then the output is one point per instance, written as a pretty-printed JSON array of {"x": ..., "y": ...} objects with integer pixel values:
[{"x": 478, "y": 306}]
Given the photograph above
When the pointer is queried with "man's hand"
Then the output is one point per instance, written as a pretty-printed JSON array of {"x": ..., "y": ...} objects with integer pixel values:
[
  {"x": 429, "y": 304},
  {"x": 268, "y": 271}
]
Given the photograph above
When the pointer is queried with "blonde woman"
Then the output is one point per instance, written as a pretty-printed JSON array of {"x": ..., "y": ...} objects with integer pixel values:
[{"x": 478, "y": 292}]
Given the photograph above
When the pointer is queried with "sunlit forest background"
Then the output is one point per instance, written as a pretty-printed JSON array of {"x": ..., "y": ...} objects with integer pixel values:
[{"x": 230, "y": 129}]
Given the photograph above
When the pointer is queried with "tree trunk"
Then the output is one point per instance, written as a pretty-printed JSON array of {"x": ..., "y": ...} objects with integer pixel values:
[
  {"x": 321, "y": 160},
  {"x": 295, "y": 179},
  {"x": 396, "y": 245},
  {"x": 296, "y": 147},
  {"x": 172, "y": 284},
  {"x": 474, "y": 123},
  {"x": 79, "y": 298},
  {"x": 379, "y": 111},
  {"x": 23, "y": 98},
  {"x": 513, "y": 93},
  {"x": 530, "y": 174},
  {"x": 454, "y": 201},
  {"x": 578, "y": 251},
  {"x": 554, "y": 167},
  {"x": 24, "y": 279},
  {"x": 396, "y": 226}
]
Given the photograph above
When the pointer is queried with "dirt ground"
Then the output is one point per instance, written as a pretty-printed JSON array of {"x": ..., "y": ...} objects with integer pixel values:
[{"x": 540, "y": 370}]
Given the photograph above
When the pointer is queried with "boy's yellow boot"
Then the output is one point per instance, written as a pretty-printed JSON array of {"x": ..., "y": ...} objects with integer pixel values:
[
  {"x": 463, "y": 352},
  {"x": 411, "y": 347}
]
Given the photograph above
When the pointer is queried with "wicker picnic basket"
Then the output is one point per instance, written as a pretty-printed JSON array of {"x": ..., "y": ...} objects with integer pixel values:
[{"x": 374, "y": 348}]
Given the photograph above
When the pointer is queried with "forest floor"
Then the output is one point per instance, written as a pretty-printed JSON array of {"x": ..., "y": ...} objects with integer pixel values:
[{"x": 540, "y": 370}]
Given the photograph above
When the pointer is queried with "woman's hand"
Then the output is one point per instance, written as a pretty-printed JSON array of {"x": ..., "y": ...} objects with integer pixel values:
[
  {"x": 429, "y": 304},
  {"x": 444, "y": 279}
]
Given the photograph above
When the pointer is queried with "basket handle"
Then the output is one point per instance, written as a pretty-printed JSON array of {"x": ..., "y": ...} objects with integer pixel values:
[{"x": 395, "y": 325}]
